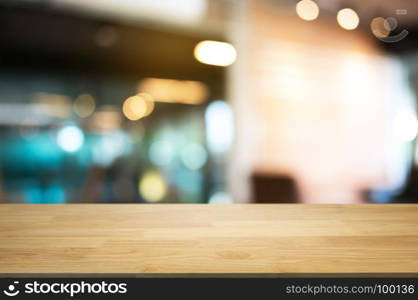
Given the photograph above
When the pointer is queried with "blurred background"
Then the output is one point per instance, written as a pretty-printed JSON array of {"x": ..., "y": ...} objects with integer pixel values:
[{"x": 208, "y": 101}]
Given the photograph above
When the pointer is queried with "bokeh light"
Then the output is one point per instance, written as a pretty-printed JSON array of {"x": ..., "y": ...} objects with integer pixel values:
[
  {"x": 174, "y": 91},
  {"x": 219, "y": 121},
  {"x": 138, "y": 106},
  {"x": 220, "y": 198},
  {"x": 152, "y": 186},
  {"x": 161, "y": 152},
  {"x": 84, "y": 105},
  {"x": 307, "y": 10},
  {"x": 70, "y": 138},
  {"x": 215, "y": 53},
  {"x": 348, "y": 19}
]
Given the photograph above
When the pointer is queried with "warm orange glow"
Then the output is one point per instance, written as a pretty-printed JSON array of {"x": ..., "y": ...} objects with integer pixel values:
[
  {"x": 307, "y": 10},
  {"x": 138, "y": 106},
  {"x": 215, "y": 53},
  {"x": 174, "y": 91},
  {"x": 348, "y": 19}
]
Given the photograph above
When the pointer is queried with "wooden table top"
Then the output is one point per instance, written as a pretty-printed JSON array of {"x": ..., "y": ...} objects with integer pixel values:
[{"x": 143, "y": 239}]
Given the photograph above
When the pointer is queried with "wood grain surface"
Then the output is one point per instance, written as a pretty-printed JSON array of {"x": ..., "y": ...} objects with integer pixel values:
[{"x": 208, "y": 238}]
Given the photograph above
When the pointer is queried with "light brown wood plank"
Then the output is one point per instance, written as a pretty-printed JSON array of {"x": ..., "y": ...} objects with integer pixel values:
[{"x": 208, "y": 238}]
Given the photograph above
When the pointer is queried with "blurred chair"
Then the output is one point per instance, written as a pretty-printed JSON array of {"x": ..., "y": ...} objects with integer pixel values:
[{"x": 269, "y": 188}]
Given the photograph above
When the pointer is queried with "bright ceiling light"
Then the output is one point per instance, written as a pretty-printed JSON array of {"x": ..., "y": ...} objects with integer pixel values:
[
  {"x": 307, "y": 10},
  {"x": 215, "y": 53},
  {"x": 348, "y": 19}
]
